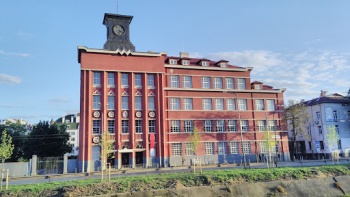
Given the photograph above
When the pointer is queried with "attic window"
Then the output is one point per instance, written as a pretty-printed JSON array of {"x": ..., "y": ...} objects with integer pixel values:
[
  {"x": 185, "y": 62},
  {"x": 172, "y": 61},
  {"x": 223, "y": 65},
  {"x": 204, "y": 63},
  {"x": 257, "y": 87}
]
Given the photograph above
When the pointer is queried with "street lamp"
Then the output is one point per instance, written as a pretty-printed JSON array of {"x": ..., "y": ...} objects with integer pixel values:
[{"x": 239, "y": 119}]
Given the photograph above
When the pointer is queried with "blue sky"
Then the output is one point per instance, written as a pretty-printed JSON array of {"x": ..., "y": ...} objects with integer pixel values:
[{"x": 299, "y": 45}]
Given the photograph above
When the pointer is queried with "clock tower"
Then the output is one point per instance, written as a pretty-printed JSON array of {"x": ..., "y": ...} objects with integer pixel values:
[{"x": 118, "y": 36}]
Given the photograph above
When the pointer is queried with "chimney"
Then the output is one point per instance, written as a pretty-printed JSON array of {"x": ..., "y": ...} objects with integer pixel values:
[
  {"x": 323, "y": 93},
  {"x": 184, "y": 54}
]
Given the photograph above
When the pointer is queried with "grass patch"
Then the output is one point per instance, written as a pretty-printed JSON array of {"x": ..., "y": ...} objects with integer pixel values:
[{"x": 171, "y": 180}]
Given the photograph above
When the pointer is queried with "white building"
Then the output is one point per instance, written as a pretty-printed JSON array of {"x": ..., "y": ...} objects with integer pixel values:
[
  {"x": 72, "y": 121},
  {"x": 324, "y": 112}
]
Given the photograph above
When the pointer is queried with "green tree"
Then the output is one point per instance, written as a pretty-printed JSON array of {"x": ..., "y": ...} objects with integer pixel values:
[
  {"x": 107, "y": 149},
  {"x": 295, "y": 114},
  {"x": 47, "y": 140},
  {"x": 6, "y": 149},
  {"x": 195, "y": 138},
  {"x": 269, "y": 143},
  {"x": 18, "y": 132},
  {"x": 332, "y": 139}
]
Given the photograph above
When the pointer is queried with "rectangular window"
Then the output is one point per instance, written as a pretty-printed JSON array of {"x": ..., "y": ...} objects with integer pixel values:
[
  {"x": 150, "y": 80},
  {"x": 138, "y": 102},
  {"x": 111, "y": 126},
  {"x": 272, "y": 124},
  {"x": 206, "y": 103},
  {"x": 125, "y": 126},
  {"x": 110, "y": 102},
  {"x": 176, "y": 149},
  {"x": 152, "y": 126},
  {"x": 205, "y": 82},
  {"x": 97, "y": 78},
  {"x": 174, "y": 81},
  {"x": 319, "y": 129},
  {"x": 230, "y": 104},
  {"x": 270, "y": 104},
  {"x": 138, "y": 126},
  {"x": 125, "y": 79},
  {"x": 96, "y": 126},
  {"x": 244, "y": 125},
  {"x": 138, "y": 80},
  {"x": 222, "y": 148},
  {"x": 232, "y": 126},
  {"x": 209, "y": 148},
  {"x": 220, "y": 126},
  {"x": 172, "y": 61},
  {"x": 261, "y": 125},
  {"x": 188, "y": 125},
  {"x": 219, "y": 104},
  {"x": 246, "y": 147},
  {"x": 229, "y": 83},
  {"x": 186, "y": 81},
  {"x": 187, "y": 104},
  {"x": 321, "y": 145},
  {"x": 335, "y": 116},
  {"x": 208, "y": 126},
  {"x": 234, "y": 149},
  {"x": 110, "y": 79},
  {"x": 259, "y": 104},
  {"x": 175, "y": 126},
  {"x": 96, "y": 102},
  {"x": 189, "y": 149},
  {"x": 241, "y": 84},
  {"x": 185, "y": 62},
  {"x": 217, "y": 82},
  {"x": 125, "y": 102},
  {"x": 242, "y": 104},
  {"x": 151, "y": 105},
  {"x": 174, "y": 103},
  {"x": 263, "y": 148}
]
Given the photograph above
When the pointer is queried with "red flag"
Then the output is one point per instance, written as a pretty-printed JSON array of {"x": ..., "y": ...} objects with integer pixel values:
[{"x": 151, "y": 139}]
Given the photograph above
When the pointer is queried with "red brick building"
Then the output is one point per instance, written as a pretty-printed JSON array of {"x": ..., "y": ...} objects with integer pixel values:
[{"x": 150, "y": 103}]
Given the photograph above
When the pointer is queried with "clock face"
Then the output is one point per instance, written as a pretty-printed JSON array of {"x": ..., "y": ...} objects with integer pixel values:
[{"x": 118, "y": 30}]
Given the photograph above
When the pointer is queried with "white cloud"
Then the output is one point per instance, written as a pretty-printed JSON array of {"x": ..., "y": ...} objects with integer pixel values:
[
  {"x": 9, "y": 79},
  {"x": 304, "y": 74},
  {"x": 60, "y": 100},
  {"x": 13, "y": 54}
]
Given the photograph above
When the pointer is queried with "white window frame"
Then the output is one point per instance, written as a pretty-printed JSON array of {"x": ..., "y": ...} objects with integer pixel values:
[
  {"x": 110, "y": 79},
  {"x": 173, "y": 61},
  {"x": 244, "y": 124},
  {"x": 125, "y": 102},
  {"x": 125, "y": 79},
  {"x": 259, "y": 104},
  {"x": 229, "y": 83},
  {"x": 205, "y": 63},
  {"x": 96, "y": 99},
  {"x": 209, "y": 148},
  {"x": 188, "y": 126},
  {"x": 270, "y": 105},
  {"x": 261, "y": 124},
  {"x": 220, "y": 126},
  {"x": 187, "y": 103},
  {"x": 208, "y": 126},
  {"x": 232, "y": 126},
  {"x": 234, "y": 148},
  {"x": 151, "y": 103},
  {"x": 176, "y": 149},
  {"x": 175, "y": 126},
  {"x": 138, "y": 126},
  {"x": 138, "y": 102},
  {"x": 230, "y": 104},
  {"x": 207, "y": 104},
  {"x": 96, "y": 78},
  {"x": 150, "y": 80},
  {"x": 96, "y": 127},
  {"x": 138, "y": 80},
  {"x": 246, "y": 147},
  {"x": 110, "y": 105},
  {"x": 217, "y": 82},
  {"x": 189, "y": 149},
  {"x": 111, "y": 126},
  {"x": 222, "y": 148},
  {"x": 185, "y": 62},
  {"x": 219, "y": 104},
  {"x": 174, "y": 81},
  {"x": 187, "y": 81},
  {"x": 241, "y": 83},
  {"x": 205, "y": 82},
  {"x": 242, "y": 104},
  {"x": 174, "y": 103},
  {"x": 152, "y": 126},
  {"x": 125, "y": 126}
]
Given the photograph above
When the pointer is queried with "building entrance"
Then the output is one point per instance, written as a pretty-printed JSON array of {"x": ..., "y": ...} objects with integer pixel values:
[
  {"x": 125, "y": 159},
  {"x": 139, "y": 157}
]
